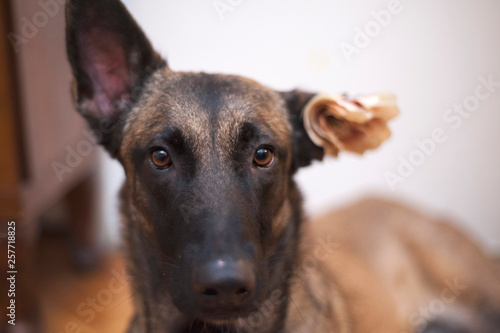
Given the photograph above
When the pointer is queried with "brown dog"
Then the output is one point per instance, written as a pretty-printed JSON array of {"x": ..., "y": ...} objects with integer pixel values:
[{"x": 213, "y": 217}]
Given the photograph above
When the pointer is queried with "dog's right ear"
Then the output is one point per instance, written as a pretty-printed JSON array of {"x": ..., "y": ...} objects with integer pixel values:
[
  {"x": 304, "y": 150},
  {"x": 111, "y": 58},
  {"x": 327, "y": 123}
]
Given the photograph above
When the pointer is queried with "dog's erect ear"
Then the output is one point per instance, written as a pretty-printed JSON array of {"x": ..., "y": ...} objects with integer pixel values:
[
  {"x": 110, "y": 57},
  {"x": 304, "y": 151},
  {"x": 327, "y": 124}
]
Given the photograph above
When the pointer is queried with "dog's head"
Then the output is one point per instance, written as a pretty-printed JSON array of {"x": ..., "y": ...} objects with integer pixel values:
[{"x": 209, "y": 161}]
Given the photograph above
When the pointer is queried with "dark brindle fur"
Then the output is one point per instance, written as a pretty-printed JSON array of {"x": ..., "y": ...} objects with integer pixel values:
[{"x": 216, "y": 242}]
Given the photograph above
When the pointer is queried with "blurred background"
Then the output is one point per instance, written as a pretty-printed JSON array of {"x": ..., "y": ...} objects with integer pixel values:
[{"x": 441, "y": 58}]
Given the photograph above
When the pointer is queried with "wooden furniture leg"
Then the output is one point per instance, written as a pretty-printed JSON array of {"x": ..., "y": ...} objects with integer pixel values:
[{"x": 83, "y": 212}]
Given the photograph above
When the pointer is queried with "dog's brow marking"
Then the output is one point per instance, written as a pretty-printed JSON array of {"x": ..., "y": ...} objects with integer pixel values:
[{"x": 229, "y": 122}]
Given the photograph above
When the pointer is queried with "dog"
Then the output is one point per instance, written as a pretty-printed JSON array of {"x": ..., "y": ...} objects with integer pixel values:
[{"x": 214, "y": 227}]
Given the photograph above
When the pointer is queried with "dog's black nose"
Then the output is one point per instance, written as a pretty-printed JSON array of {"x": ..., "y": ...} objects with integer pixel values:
[{"x": 224, "y": 284}]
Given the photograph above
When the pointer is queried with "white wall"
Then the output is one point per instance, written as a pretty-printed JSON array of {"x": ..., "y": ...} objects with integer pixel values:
[{"x": 430, "y": 54}]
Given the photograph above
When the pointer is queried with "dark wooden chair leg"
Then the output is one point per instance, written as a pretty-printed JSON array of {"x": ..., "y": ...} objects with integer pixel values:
[{"x": 82, "y": 203}]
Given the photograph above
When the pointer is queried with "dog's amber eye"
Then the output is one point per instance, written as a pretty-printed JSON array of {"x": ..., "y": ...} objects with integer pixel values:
[
  {"x": 160, "y": 159},
  {"x": 263, "y": 157}
]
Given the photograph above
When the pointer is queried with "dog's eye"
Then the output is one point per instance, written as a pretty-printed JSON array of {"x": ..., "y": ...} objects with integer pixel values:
[
  {"x": 160, "y": 159},
  {"x": 263, "y": 157}
]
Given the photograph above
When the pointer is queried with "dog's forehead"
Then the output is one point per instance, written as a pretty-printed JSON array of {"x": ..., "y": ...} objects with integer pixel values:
[{"x": 206, "y": 108}]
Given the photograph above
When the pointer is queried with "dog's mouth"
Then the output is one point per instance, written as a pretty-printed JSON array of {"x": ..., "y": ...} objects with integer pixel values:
[
  {"x": 226, "y": 322},
  {"x": 223, "y": 316},
  {"x": 218, "y": 315},
  {"x": 219, "y": 318},
  {"x": 201, "y": 325}
]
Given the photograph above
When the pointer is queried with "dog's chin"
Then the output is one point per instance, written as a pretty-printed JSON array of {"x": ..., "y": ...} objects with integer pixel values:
[
  {"x": 220, "y": 320},
  {"x": 226, "y": 317}
]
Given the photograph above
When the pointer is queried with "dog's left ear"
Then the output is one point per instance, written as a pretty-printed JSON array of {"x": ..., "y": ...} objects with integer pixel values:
[
  {"x": 111, "y": 58},
  {"x": 327, "y": 123}
]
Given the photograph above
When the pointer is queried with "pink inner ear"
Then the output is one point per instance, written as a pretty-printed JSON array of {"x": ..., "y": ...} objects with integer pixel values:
[{"x": 105, "y": 63}]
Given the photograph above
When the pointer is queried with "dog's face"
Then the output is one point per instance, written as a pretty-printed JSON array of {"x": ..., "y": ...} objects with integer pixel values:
[{"x": 209, "y": 161}]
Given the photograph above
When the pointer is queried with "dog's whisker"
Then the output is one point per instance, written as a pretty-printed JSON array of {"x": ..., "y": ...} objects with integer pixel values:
[
  {"x": 298, "y": 310},
  {"x": 158, "y": 317},
  {"x": 169, "y": 264}
]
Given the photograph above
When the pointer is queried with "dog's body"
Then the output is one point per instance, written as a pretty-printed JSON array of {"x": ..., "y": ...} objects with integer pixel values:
[
  {"x": 392, "y": 270},
  {"x": 213, "y": 217}
]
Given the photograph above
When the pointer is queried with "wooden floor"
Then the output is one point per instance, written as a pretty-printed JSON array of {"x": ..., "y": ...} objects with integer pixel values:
[
  {"x": 75, "y": 302},
  {"x": 72, "y": 301}
]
